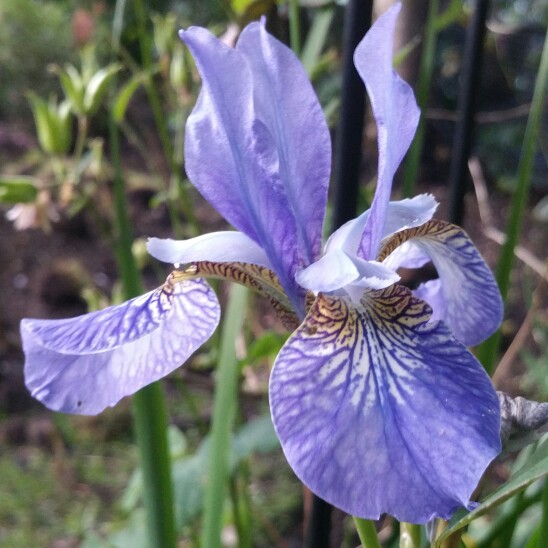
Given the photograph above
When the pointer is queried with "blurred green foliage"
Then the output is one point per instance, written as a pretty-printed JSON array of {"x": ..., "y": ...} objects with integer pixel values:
[{"x": 33, "y": 34}]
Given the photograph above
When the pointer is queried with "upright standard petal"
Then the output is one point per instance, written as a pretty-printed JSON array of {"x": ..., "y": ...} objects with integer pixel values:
[
  {"x": 380, "y": 410},
  {"x": 286, "y": 103},
  {"x": 232, "y": 160},
  {"x": 467, "y": 296},
  {"x": 396, "y": 113},
  {"x": 85, "y": 364}
]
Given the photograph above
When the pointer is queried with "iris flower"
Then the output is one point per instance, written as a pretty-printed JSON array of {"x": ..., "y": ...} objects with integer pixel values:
[{"x": 377, "y": 402}]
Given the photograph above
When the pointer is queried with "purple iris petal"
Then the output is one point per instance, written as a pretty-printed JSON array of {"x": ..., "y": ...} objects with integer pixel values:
[
  {"x": 467, "y": 297},
  {"x": 379, "y": 410},
  {"x": 222, "y": 247},
  {"x": 231, "y": 157},
  {"x": 286, "y": 103},
  {"x": 85, "y": 364},
  {"x": 432, "y": 293},
  {"x": 396, "y": 114}
]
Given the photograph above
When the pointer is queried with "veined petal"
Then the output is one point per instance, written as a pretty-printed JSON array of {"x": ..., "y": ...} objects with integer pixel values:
[
  {"x": 380, "y": 410},
  {"x": 468, "y": 296},
  {"x": 286, "y": 103},
  {"x": 401, "y": 214},
  {"x": 88, "y": 363},
  {"x": 222, "y": 247},
  {"x": 231, "y": 157},
  {"x": 396, "y": 114}
]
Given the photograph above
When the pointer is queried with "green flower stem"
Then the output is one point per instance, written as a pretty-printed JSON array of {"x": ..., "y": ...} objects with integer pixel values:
[
  {"x": 488, "y": 350},
  {"x": 423, "y": 90},
  {"x": 294, "y": 26},
  {"x": 367, "y": 533},
  {"x": 150, "y": 423},
  {"x": 410, "y": 535},
  {"x": 240, "y": 506},
  {"x": 161, "y": 126},
  {"x": 150, "y": 416},
  {"x": 224, "y": 412},
  {"x": 81, "y": 136}
]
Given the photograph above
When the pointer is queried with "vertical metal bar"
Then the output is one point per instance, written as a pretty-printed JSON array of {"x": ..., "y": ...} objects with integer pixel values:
[
  {"x": 348, "y": 148},
  {"x": 357, "y": 21},
  {"x": 462, "y": 143}
]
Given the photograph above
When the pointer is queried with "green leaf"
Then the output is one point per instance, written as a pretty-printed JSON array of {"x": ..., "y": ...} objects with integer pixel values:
[
  {"x": 240, "y": 6},
  {"x": 190, "y": 474},
  {"x": 267, "y": 345},
  {"x": 44, "y": 131},
  {"x": 97, "y": 86},
  {"x": 16, "y": 190},
  {"x": 73, "y": 86},
  {"x": 316, "y": 39},
  {"x": 60, "y": 120},
  {"x": 534, "y": 468},
  {"x": 123, "y": 97},
  {"x": 256, "y": 436}
]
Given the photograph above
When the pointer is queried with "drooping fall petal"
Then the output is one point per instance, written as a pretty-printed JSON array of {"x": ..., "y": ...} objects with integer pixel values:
[
  {"x": 467, "y": 296},
  {"x": 379, "y": 410},
  {"x": 85, "y": 364}
]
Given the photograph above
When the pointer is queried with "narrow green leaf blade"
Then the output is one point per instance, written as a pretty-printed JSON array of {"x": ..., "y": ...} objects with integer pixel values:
[
  {"x": 535, "y": 468},
  {"x": 123, "y": 97}
]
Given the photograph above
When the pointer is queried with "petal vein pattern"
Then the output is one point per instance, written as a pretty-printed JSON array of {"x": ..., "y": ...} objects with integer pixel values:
[
  {"x": 147, "y": 338},
  {"x": 232, "y": 159},
  {"x": 375, "y": 402},
  {"x": 285, "y": 101}
]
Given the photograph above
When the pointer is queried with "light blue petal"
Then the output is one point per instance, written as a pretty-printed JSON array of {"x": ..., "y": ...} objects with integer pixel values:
[
  {"x": 336, "y": 271},
  {"x": 468, "y": 297},
  {"x": 286, "y": 103},
  {"x": 222, "y": 247},
  {"x": 407, "y": 255},
  {"x": 88, "y": 363},
  {"x": 380, "y": 410},
  {"x": 408, "y": 213},
  {"x": 401, "y": 214},
  {"x": 396, "y": 113},
  {"x": 330, "y": 273},
  {"x": 232, "y": 157},
  {"x": 432, "y": 293},
  {"x": 374, "y": 275}
]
